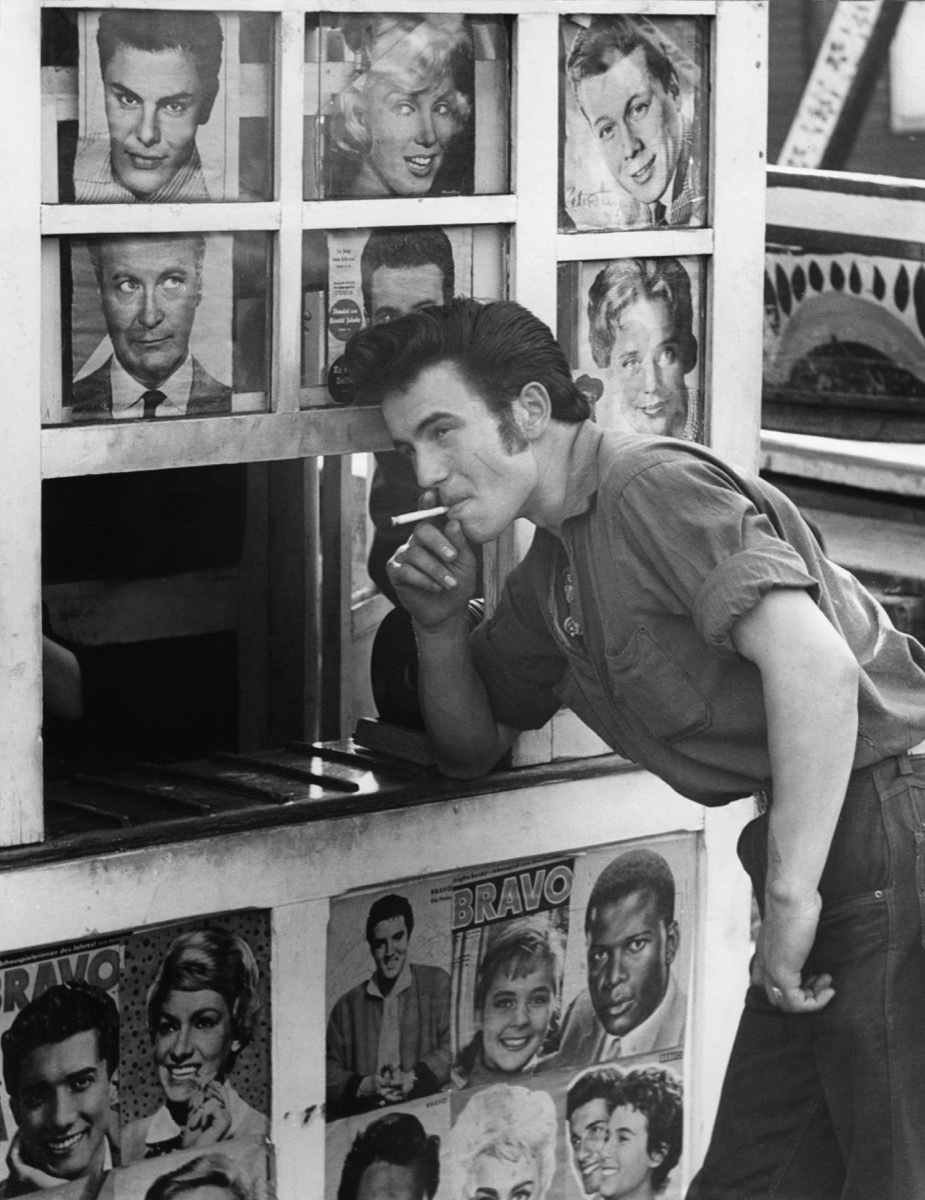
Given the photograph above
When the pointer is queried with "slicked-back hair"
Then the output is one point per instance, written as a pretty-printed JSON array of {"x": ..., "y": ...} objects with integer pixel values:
[
  {"x": 397, "y": 1138},
  {"x": 633, "y": 872},
  {"x": 413, "y": 246},
  {"x": 209, "y": 1170},
  {"x": 598, "y": 1084},
  {"x": 625, "y": 281},
  {"x": 658, "y": 1095},
  {"x": 497, "y": 348},
  {"x": 387, "y": 908},
  {"x": 196, "y": 34},
  {"x": 608, "y": 37},
  {"x": 57, "y": 1014}
]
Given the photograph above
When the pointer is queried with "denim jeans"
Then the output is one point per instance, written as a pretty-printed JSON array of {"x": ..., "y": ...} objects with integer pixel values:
[{"x": 831, "y": 1105}]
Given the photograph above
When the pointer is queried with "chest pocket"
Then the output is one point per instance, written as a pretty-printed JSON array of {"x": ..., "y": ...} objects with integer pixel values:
[{"x": 656, "y": 690}]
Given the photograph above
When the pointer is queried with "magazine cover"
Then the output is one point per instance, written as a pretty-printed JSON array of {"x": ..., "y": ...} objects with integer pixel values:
[
  {"x": 59, "y": 1107},
  {"x": 632, "y": 330},
  {"x": 151, "y": 326},
  {"x": 406, "y": 104},
  {"x": 196, "y": 1035},
  {"x": 158, "y": 107},
  {"x": 634, "y": 117}
]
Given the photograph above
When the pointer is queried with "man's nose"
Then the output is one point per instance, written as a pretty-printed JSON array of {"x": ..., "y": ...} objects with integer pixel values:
[
  {"x": 429, "y": 467},
  {"x": 616, "y": 969},
  {"x": 630, "y": 143},
  {"x": 148, "y": 129},
  {"x": 151, "y": 312},
  {"x": 63, "y": 1109}
]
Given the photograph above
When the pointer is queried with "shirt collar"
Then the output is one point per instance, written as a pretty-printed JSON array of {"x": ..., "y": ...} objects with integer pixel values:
[
  {"x": 127, "y": 391},
  {"x": 402, "y": 983},
  {"x": 642, "y": 1039},
  {"x": 583, "y": 477}
]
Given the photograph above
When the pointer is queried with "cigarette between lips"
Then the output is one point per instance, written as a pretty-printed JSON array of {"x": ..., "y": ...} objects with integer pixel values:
[{"x": 421, "y": 515}]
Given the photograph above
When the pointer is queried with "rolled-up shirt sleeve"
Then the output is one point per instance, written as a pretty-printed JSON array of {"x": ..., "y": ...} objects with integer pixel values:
[
  {"x": 702, "y": 547},
  {"x": 516, "y": 656}
]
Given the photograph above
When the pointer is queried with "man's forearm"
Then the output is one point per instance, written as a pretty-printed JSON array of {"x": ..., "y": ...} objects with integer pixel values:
[{"x": 467, "y": 739}]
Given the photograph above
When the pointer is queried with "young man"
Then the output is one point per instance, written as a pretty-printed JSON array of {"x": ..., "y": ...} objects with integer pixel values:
[
  {"x": 641, "y": 331},
  {"x": 388, "y": 1038},
  {"x": 150, "y": 288},
  {"x": 160, "y": 80},
  {"x": 588, "y": 1105},
  {"x": 632, "y": 1004},
  {"x": 684, "y": 610},
  {"x": 630, "y": 94},
  {"x": 59, "y": 1056}
]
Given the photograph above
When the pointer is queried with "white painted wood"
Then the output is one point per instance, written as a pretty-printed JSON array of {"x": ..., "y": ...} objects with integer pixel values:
[
  {"x": 734, "y": 316},
  {"x": 635, "y": 243},
  {"x": 535, "y": 165},
  {"x": 896, "y": 467},
  {"x": 298, "y": 1000},
  {"x": 310, "y": 862},
  {"x": 20, "y": 414},
  {"x": 838, "y": 211}
]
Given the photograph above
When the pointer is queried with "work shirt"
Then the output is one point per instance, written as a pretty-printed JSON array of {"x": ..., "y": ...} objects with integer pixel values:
[{"x": 628, "y": 618}]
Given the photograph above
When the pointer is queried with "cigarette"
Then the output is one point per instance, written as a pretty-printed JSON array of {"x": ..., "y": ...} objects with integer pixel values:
[{"x": 421, "y": 515}]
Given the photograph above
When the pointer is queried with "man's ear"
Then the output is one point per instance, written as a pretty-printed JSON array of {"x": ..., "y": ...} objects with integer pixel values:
[
  {"x": 532, "y": 411},
  {"x": 672, "y": 938}
]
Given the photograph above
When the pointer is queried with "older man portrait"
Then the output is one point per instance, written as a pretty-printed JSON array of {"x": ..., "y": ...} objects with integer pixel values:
[
  {"x": 160, "y": 75},
  {"x": 150, "y": 287}
]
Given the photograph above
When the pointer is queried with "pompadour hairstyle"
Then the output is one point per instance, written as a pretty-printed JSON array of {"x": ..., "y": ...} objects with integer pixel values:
[
  {"x": 608, "y": 37},
  {"x": 196, "y": 34},
  {"x": 496, "y": 347},
  {"x": 413, "y": 246},
  {"x": 658, "y": 1095},
  {"x": 56, "y": 1015},
  {"x": 625, "y": 281},
  {"x": 209, "y": 1170},
  {"x": 598, "y": 1084},
  {"x": 386, "y": 908},
  {"x": 635, "y": 871},
  {"x": 215, "y": 959},
  {"x": 396, "y": 1138}
]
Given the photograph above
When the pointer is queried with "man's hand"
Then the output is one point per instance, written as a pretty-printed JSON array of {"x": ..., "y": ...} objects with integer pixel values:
[
  {"x": 382, "y": 1088},
  {"x": 787, "y": 933},
  {"x": 434, "y": 574}
]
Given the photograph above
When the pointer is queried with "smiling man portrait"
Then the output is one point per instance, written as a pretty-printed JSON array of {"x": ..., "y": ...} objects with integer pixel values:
[
  {"x": 629, "y": 90},
  {"x": 150, "y": 287},
  {"x": 388, "y": 1037},
  {"x": 160, "y": 73},
  {"x": 59, "y": 1056}
]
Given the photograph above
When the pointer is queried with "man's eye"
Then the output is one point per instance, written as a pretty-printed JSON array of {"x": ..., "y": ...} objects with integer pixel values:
[
  {"x": 176, "y": 108},
  {"x": 82, "y": 1082},
  {"x": 597, "y": 958},
  {"x": 126, "y": 287},
  {"x": 668, "y": 355},
  {"x": 636, "y": 945},
  {"x": 639, "y": 110},
  {"x": 128, "y": 101},
  {"x": 605, "y": 132},
  {"x": 173, "y": 283}
]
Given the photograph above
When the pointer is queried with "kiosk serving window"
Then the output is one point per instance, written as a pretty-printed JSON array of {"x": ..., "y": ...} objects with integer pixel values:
[{"x": 222, "y": 197}]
